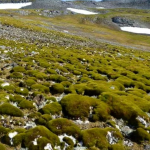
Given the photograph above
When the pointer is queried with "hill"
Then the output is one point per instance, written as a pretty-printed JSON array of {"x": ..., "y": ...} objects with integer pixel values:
[{"x": 71, "y": 81}]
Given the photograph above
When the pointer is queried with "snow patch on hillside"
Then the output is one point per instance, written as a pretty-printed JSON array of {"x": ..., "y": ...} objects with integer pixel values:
[
  {"x": 81, "y": 11},
  {"x": 14, "y": 5},
  {"x": 136, "y": 30}
]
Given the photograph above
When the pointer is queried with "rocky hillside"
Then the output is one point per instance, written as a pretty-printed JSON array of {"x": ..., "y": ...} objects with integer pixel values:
[{"x": 73, "y": 81}]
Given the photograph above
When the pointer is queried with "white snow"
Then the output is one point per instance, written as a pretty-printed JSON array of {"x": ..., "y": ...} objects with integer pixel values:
[
  {"x": 81, "y": 11},
  {"x": 136, "y": 30},
  {"x": 48, "y": 147},
  {"x": 14, "y": 5},
  {"x": 100, "y": 8},
  {"x": 7, "y": 96},
  {"x": 11, "y": 135},
  {"x": 21, "y": 89},
  {"x": 30, "y": 124},
  {"x": 35, "y": 141},
  {"x": 81, "y": 122},
  {"x": 5, "y": 84}
]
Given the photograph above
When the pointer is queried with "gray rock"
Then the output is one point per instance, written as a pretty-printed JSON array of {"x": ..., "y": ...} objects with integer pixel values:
[{"x": 126, "y": 130}]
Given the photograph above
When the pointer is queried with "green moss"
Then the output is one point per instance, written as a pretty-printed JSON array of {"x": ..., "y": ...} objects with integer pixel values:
[
  {"x": 57, "y": 78},
  {"x": 30, "y": 82},
  {"x": 68, "y": 141},
  {"x": 42, "y": 142},
  {"x": 2, "y": 147},
  {"x": 57, "y": 88},
  {"x": 25, "y": 104},
  {"x": 40, "y": 88},
  {"x": 117, "y": 147},
  {"x": 11, "y": 110},
  {"x": 40, "y": 131},
  {"x": 140, "y": 135},
  {"x": 61, "y": 126},
  {"x": 66, "y": 83},
  {"x": 76, "y": 105},
  {"x": 22, "y": 91},
  {"x": 51, "y": 71},
  {"x": 101, "y": 112},
  {"x": 3, "y": 130},
  {"x": 43, "y": 119},
  {"x": 18, "y": 139},
  {"x": 41, "y": 76},
  {"x": 52, "y": 108},
  {"x": 16, "y": 98},
  {"x": 18, "y": 69},
  {"x": 122, "y": 107},
  {"x": 97, "y": 137},
  {"x": 16, "y": 75}
]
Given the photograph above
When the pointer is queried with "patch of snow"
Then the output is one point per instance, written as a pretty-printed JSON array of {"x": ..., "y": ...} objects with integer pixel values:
[
  {"x": 30, "y": 124},
  {"x": 5, "y": 84},
  {"x": 81, "y": 122},
  {"x": 80, "y": 148},
  {"x": 5, "y": 51},
  {"x": 11, "y": 135},
  {"x": 35, "y": 141},
  {"x": 57, "y": 147},
  {"x": 136, "y": 30},
  {"x": 14, "y": 5},
  {"x": 7, "y": 96},
  {"x": 100, "y": 7},
  {"x": 48, "y": 147},
  {"x": 14, "y": 104},
  {"x": 112, "y": 87},
  {"x": 21, "y": 89},
  {"x": 81, "y": 11},
  {"x": 65, "y": 31}
]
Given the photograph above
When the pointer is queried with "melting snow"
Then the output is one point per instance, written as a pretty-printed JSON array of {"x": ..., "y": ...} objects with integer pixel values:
[
  {"x": 81, "y": 11},
  {"x": 81, "y": 122},
  {"x": 5, "y": 84},
  {"x": 35, "y": 142},
  {"x": 11, "y": 135},
  {"x": 136, "y": 30},
  {"x": 14, "y": 5},
  {"x": 48, "y": 147},
  {"x": 100, "y": 8}
]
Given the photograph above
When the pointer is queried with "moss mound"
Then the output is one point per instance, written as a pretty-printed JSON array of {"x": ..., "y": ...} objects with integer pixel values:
[
  {"x": 61, "y": 126},
  {"x": 42, "y": 131},
  {"x": 25, "y": 104},
  {"x": 52, "y": 108},
  {"x": 11, "y": 110},
  {"x": 2, "y": 147},
  {"x": 57, "y": 88},
  {"x": 97, "y": 137}
]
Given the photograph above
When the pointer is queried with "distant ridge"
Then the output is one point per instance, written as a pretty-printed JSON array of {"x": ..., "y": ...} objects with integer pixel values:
[{"x": 15, "y": 1}]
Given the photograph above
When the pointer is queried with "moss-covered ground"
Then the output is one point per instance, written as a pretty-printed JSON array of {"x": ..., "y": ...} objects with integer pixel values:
[{"x": 55, "y": 83}]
